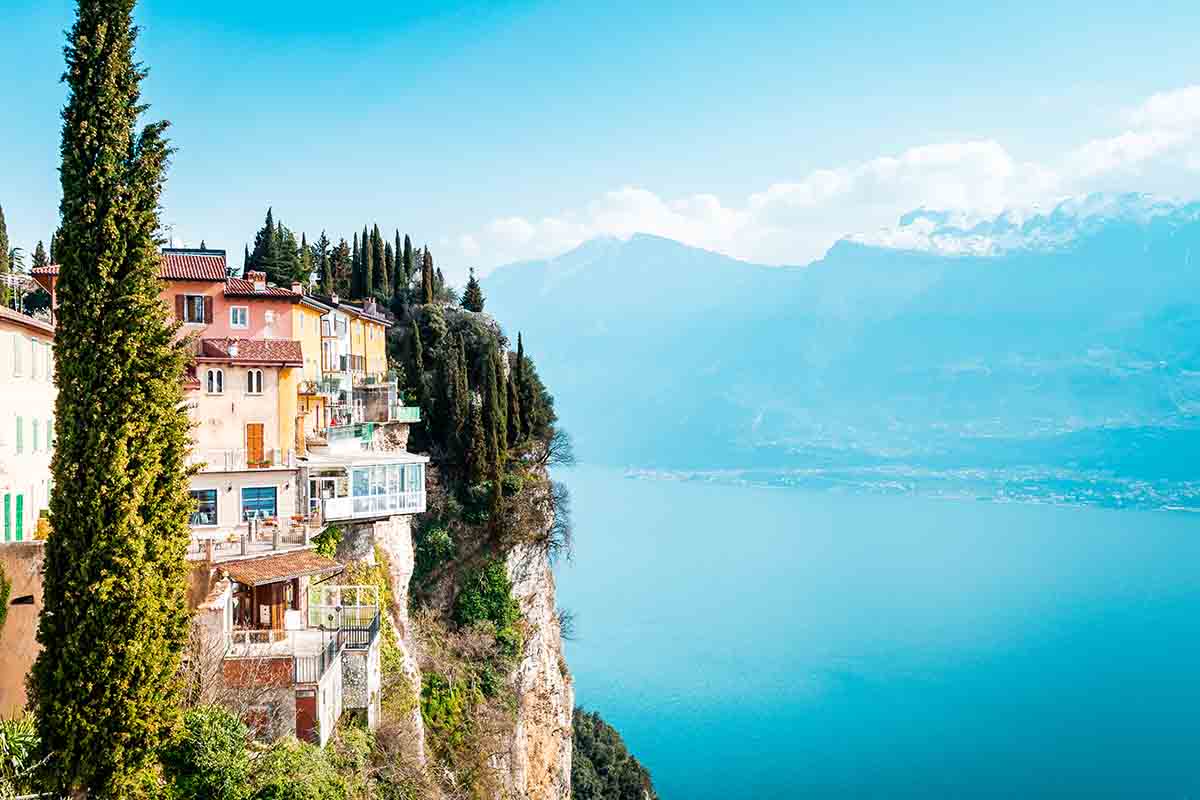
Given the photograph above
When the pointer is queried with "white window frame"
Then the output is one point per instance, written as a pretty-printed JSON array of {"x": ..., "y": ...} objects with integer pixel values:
[
  {"x": 214, "y": 381},
  {"x": 254, "y": 381},
  {"x": 245, "y": 314}
]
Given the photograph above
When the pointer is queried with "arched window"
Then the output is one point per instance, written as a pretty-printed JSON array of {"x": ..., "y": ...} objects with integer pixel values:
[
  {"x": 216, "y": 381},
  {"x": 254, "y": 381}
]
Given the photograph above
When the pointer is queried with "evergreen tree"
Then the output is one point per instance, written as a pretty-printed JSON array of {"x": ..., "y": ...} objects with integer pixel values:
[
  {"x": 341, "y": 262},
  {"x": 389, "y": 267},
  {"x": 40, "y": 259},
  {"x": 476, "y": 456},
  {"x": 264, "y": 245},
  {"x": 379, "y": 276},
  {"x": 105, "y": 686},
  {"x": 356, "y": 270},
  {"x": 514, "y": 411},
  {"x": 519, "y": 369},
  {"x": 501, "y": 406},
  {"x": 324, "y": 264},
  {"x": 246, "y": 260},
  {"x": 306, "y": 262},
  {"x": 203, "y": 246},
  {"x": 426, "y": 277},
  {"x": 472, "y": 299},
  {"x": 439, "y": 284},
  {"x": 5, "y": 259},
  {"x": 368, "y": 265},
  {"x": 494, "y": 424},
  {"x": 55, "y": 240},
  {"x": 410, "y": 268},
  {"x": 398, "y": 285}
]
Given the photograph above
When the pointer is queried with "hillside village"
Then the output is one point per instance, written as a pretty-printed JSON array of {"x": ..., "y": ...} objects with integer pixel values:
[{"x": 297, "y": 426}]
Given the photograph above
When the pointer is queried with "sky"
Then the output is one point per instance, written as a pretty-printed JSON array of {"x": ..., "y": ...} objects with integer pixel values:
[{"x": 510, "y": 130}]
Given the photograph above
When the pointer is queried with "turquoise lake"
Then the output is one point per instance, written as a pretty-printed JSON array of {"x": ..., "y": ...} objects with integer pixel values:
[{"x": 758, "y": 643}]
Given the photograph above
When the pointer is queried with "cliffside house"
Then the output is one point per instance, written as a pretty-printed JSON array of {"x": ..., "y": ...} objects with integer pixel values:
[
  {"x": 27, "y": 396},
  {"x": 296, "y": 649}
]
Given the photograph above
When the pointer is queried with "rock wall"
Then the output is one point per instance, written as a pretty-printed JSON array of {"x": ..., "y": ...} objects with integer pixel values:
[
  {"x": 539, "y": 757},
  {"x": 18, "y": 640}
]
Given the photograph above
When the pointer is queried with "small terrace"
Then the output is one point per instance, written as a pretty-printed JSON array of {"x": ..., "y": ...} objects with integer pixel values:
[{"x": 364, "y": 485}]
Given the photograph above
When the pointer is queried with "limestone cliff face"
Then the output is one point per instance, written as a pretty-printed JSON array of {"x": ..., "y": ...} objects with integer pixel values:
[
  {"x": 537, "y": 763},
  {"x": 539, "y": 759}
]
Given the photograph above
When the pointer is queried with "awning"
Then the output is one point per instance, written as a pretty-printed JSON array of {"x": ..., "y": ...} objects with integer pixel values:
[{"x": 281, "y": 567}]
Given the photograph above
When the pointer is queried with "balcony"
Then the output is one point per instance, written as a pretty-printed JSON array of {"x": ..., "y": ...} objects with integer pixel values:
[
  {"x": 325, "y": 387},
  {"x": 398, "y": 412},
  {"x": 241, "y": 461},
  {"x": 339, "y": 509}
]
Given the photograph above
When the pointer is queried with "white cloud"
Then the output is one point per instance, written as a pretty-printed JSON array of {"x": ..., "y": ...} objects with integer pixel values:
[{"x": 796, "y": 221}]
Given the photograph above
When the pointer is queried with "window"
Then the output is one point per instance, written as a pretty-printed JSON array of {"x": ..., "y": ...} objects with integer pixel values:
[
  {"x": 216, "y": 381},
  {"x": 35, "y": 437},
  {"x": 192, "y": 308},
  {"x": 206, "y": 507},
  {"x": 254, "y": 381},
  {"x": 239, "y": 316},
  {"x": 20, "y": 435},
  {"x": 259, "y": 502},
  {"x": 35, "y": 360}
]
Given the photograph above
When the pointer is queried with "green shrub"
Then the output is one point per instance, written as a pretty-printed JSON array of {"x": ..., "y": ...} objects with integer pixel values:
[
  {"x": 445, "y": 707},
  {"x": 327, "y": 541},
  {"x": 487, "y": 597},
  {"x": 434, "y": 547},
  {"x": 512, "y": 484},
  {"x": 294, "y": 770},
  {"x": 208, "y": 759},
  {"x": 18, "y": 746}
]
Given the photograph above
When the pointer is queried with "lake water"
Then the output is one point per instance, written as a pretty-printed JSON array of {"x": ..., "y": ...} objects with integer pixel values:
[{"x": 758, "y": 643}]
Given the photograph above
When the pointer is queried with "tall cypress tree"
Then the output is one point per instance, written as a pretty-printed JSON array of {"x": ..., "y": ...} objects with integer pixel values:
[
  {"x": 378, "y": 258},
  {"x": 494, "y": 424},
  {"x": 397, "y": 269},
  {"x": 246, "y": 260},
  {"x": 368, "y": 266},
  {"x": 306, "y": 264},
  {"x": 105, "y": 685},
  {"x": 472, "y": 299},
  {"x": 514, "y": 411},
  {"x": 519, "y": 369},
  {"x": 409, "y": 267},
  {"x": 356, "y": 271},
  {"x": 426, "y": 277},
  {"x": 476, "y": 456},
  {"x": 5, "y": 267}
]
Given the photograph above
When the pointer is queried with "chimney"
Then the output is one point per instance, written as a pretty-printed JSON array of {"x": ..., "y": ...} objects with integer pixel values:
[
  {"x": 369, "y": 305},
  {"x": 259, "y": 279},
  {"x": 297, "y": 287},
  {"x": 333, "y": 298},
  {"x": 233, "y": 349}
]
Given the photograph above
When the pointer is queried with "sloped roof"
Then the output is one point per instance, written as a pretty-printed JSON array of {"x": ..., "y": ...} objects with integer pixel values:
[
  {"x": 283, "y": 352},
  {"x": 179, "y": 266},
  {"x": 24, "y": 320},
  {"x": 192, "y": 266},
  {"x": 240, "y": 287},
  {"x": 280, "y": 567}
]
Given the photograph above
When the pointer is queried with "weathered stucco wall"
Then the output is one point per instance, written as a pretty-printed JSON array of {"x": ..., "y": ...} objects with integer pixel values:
[{"x": 18, "y": 641}]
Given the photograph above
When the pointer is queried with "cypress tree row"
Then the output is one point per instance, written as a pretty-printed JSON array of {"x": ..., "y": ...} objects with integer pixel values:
[{"x": 105, "y": 685}]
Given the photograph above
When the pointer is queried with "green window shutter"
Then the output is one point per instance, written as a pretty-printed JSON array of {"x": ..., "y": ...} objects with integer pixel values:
[
  {"x": 35, "y": 437},
  {"x": 20, "y": 517},
  {"x": 8, "y": 517},
  {"x": 20, "y": 435}
]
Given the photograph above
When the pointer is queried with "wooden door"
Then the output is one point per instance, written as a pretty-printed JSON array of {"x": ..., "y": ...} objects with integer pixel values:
[
  {"x": 254, "y": 443},
  {"x": 306, "y": 717},
  {"x": 278, "y": 605}
]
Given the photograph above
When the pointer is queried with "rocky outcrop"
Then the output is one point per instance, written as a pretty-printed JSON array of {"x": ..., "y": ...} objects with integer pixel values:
[{"x": 539, "y": 757}]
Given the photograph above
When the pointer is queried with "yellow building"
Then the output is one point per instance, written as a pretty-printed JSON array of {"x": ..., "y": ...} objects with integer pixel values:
[
  {"x": 368, "y": 340},
  {"x": 311, "y": 393}
]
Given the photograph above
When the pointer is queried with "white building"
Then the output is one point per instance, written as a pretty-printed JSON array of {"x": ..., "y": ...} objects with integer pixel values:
[{"x": 27, "y": 396}]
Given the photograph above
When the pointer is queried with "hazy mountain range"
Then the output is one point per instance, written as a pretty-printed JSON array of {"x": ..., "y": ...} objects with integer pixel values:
[{"x": 1069, "y": 340}]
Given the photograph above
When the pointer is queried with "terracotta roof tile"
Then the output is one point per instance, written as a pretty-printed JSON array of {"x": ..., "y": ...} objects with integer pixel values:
[
  {"x": 240, "y": 287},
  {"x": 280, "y": 567},
  {"x": 285, "y": 352},
  {"x": 172, "y": 266}
]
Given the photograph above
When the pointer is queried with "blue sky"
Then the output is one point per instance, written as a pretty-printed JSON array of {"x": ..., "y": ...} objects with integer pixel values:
[{"x": 500, "y": 130}]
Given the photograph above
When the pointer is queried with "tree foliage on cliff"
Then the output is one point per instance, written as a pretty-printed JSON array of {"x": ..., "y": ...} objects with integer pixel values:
[
  {"x": 602, "y": 768},
  {"x": 105, "y": 686}
]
